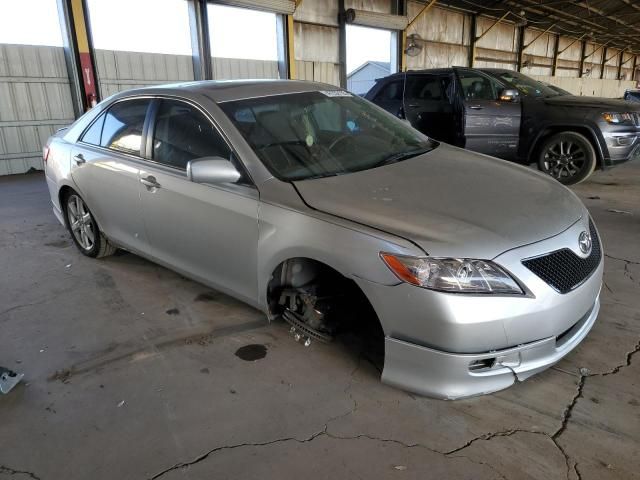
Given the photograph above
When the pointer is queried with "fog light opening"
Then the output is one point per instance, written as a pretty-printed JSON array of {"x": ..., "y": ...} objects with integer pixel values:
[{"x": 481, "y": 365}]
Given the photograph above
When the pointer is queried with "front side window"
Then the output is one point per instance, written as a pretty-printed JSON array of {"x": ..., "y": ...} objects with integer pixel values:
[
  {"x": 182, "y": 133},
  {"x": 123, "y": 124},
  {"x": 527, "y": 85},
  {"x": 476, "y": 86},
  {"x": 318, "y": 134}
]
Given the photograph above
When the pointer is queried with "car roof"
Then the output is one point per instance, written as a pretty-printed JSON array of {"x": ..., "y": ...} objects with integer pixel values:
[{"x": 228, "y": 90}]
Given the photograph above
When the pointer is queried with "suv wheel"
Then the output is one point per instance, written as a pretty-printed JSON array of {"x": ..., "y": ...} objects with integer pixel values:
[
  {"x": 84, "y": 229},
  {"x": 568, "y": 157}
]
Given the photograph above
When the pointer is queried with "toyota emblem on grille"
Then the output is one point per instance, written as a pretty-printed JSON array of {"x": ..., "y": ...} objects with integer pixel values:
[{"x": 584, "y": 242}]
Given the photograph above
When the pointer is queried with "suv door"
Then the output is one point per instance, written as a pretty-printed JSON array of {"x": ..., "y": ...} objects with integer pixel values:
[
  {"x": 428, "y": 103},
  {"x": 490, "y": 125},
  {"x": 105, "y": 165},
  {"x": 209, "y": 232}
]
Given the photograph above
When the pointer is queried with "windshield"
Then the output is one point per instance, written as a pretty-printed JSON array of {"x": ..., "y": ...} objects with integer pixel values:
[
  {"x": 527, "y": 85},
  {"x": 318, "y": 134}
]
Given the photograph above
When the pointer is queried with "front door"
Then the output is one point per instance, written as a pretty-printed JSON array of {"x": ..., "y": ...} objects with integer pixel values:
[
  {"x": 209, "y": 232},
  {"x": 490, "y": 125},
  {"x": 105, "y": 167}
]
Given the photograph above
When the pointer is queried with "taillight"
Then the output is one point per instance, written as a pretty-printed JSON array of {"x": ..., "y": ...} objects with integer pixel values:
[{"x": 45, "y": 153}]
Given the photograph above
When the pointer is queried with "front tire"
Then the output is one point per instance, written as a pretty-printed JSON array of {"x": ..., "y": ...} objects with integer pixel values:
[
  {"x": 568, "y": 157},
  {"x": 84, "y": 229}
]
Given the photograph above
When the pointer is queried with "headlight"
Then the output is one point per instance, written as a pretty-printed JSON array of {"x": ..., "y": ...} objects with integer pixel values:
[
  {"x": 456, "y": 275},
  {"x": 618, "y": 118}
]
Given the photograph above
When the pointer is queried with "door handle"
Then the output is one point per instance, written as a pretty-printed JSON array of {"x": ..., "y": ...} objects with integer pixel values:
[
  {"x": 79, "y": 159},
  {"x": 150, "y": 182},
  {"x": 475, "y": 107},
  {"x": 413, "y": 105}
]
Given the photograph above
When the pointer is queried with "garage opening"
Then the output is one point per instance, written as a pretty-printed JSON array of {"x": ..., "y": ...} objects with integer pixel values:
[
  {"x": 368, "y": 57},
  {"x": 243, "y": 42},
  {"x": 140, "y": 53}
]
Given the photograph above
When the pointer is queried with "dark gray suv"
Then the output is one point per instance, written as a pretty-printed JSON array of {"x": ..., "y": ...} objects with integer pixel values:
[{"x": 509, "y": 115}]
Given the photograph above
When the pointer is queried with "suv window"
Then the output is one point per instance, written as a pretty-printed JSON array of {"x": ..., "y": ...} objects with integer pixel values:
[
  {"x": 94, "y": 132},
  {"x": 427, "y": 87},
  {"x": 476, "y": 86},
  {"x": 391, "y": 91},
  {"x": 182, "y": 133},
  {"x": 123, "y": 124}
]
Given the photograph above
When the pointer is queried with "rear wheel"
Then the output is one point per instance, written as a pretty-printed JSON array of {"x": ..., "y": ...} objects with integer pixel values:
[
  {"x": 568, "y": 157},
  {"x": 84, "y": 229}
]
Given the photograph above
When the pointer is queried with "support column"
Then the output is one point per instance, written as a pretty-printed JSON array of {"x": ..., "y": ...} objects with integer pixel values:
[
  {"x": 604, "y": 62},
  {"x": 286, "y": 54},
  {"x": 620, "y": 58},
  {"x": 554, "y": 64},
  {"x": 583, "y": 46},
  {"x": 342, "y": 44},
  {"x": 472, "y": 39},
  {"x": 521, "y": 31},
  {"x": 200, "y": 40},
  {"x": 78, "y": 52}
]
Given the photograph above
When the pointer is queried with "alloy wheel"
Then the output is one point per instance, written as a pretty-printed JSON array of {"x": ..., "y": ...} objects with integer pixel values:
[
  {"x": 80, "y": 222},
  {"x": 564, "y": 159}
]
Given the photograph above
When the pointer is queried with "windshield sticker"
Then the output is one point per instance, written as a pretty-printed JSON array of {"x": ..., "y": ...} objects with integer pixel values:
[{"x": 335, "y": 93}]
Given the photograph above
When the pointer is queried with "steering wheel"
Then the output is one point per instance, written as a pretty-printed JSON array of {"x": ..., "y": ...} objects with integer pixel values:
[{"x": 339, "y": 140}]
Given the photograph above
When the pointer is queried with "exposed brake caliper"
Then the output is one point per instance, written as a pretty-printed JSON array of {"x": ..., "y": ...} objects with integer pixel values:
[{"x": 309, "y": 314}]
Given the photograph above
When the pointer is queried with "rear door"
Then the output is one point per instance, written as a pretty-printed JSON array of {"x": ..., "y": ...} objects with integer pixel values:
[
  {"x": 429, "y": 105},
  {"x": 209, "y": 232},
  {"x": 105, "y": 165},
  {"x": 489, "y": 125}
]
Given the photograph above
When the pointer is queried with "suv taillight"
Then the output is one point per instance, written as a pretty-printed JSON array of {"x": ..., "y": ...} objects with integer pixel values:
[{"x": 45, "y": 153}]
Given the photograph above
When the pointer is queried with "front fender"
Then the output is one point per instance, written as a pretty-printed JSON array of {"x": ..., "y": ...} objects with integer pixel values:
[{"x": 347, "y": 248}]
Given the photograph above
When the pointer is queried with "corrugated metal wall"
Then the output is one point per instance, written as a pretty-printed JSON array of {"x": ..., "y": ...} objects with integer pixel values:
[
  {"x": 237, "y": 68},
  {"x": 316, "y": 41},
  {"x": 35, "y": 101},
  {"x": 445, "y": 36},
  {"x": 119, "y": 70}
]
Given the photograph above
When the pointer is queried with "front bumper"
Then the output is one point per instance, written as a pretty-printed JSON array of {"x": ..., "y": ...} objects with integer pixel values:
[
  {"x": 451, "y": 345},
  {"x": 452, "y": 375},
  {"x": 621, "y": 146}
]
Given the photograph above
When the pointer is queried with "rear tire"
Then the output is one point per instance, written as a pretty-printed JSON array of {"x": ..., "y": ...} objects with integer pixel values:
[
  {"x": 568, "y": 157},
  {"x": 84, "y": 229}
]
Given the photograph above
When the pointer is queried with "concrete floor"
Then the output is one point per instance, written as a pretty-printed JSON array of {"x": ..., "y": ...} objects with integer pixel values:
[{"x": 131, "y": 372}]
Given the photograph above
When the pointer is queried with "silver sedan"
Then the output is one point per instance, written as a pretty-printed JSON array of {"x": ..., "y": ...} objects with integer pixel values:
[{"x": 312, "y": 205}]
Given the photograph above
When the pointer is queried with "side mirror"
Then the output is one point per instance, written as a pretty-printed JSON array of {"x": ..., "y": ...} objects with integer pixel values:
[
  {"x": 509, "y": 95},
  {"x": 212, "y": 170}
]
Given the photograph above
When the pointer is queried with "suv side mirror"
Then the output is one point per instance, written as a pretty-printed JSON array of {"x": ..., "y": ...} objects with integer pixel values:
[
  {"x": 212, "y": 170},
  {"x": 509, "y": 95}
]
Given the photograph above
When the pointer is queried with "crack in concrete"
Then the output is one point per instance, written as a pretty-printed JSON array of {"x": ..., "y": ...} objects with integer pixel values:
[
  {"x": 205, "y": 455},
  {"x": 25, "y": 305},
  {"x": 627, "y": 272},
  {"x": 621, "y": 259},
  {"x": 12, "y": 471}
]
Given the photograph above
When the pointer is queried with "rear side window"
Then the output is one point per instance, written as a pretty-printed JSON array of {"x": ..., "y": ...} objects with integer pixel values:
[
  {"x": 425, "y": 87},
  {"x": 93, "y": 134},
  {"x": 391, "y": 91},
  {"x": 182, "y": 133},
  {"x": 123, "y": 124}
]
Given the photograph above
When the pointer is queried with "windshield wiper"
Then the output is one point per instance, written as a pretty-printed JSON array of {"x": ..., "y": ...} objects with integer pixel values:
[{"x": 398, "y": 157}]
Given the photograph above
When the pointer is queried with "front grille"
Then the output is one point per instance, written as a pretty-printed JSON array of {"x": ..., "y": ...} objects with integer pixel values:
[{"x": 563, "y": 269}]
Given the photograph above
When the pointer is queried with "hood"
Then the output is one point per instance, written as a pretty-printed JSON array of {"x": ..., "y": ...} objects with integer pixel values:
[
  {"x": 613, "y": 104},
  {"x": 451, "y": 202}
]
